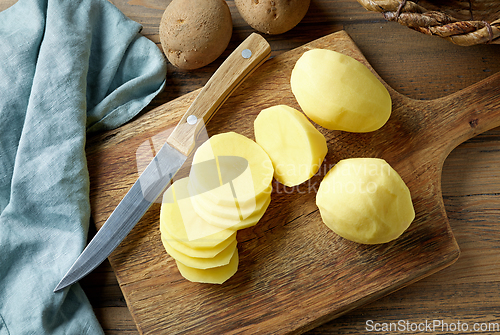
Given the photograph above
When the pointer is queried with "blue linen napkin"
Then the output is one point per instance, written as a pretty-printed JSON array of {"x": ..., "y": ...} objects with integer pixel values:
[{"x": 66, "y": 68}]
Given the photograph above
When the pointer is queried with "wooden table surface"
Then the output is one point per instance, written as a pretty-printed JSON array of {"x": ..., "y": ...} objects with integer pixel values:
[{"x": 464, "y": 296}]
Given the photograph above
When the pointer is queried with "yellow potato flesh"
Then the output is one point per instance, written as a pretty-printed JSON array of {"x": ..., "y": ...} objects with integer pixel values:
[
  {"x": 339, "y": 93},
  {"x": 185, "y": 248},
  {"x": 220, "y": 259},
  {"x": 235, "y": 224},
  {"x": 180, "y": 220},
  {"x": 217, "y": 275},
  {"x": 235, "y": 212},
  {"x": 252, "y": 182},
  {"x": 203, "y": 188},
  {"x": 295, "y": 146},
  {"x": 365, "y": 200}
]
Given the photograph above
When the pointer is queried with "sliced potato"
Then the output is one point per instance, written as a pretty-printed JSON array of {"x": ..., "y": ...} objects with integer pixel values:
[
  {"x": 220, "y": 259},
  {"x": 246, "y": 186},
  {"x": 235, "y": 224},
  {"x": 235, "y": 212},
  {"x": 185, "y": 248},
  {"x": 295, "y": 146},
  {"x": 180, "y": 220},
  {"x": 216, "y": 275}
]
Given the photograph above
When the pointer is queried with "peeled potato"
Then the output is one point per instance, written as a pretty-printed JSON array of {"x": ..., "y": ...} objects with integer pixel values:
[
  {"x": 252, "y": 182},
  {"x": 272, "y": 16},
  {"x": 217, "y": 275},
  {"x": 194, "y": 33},
  {"x": 339, "y": 93},
  {"x": 365, "y": 200},
  {"x": 180, "y": 220},
  {"x": 295, "y": 146}
]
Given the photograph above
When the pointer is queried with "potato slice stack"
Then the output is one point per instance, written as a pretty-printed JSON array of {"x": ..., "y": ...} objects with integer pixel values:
[
  {"x": 242, "y": 193},
  {"x": 203, "y": 253},
  {"x": 200, "y": 214}
]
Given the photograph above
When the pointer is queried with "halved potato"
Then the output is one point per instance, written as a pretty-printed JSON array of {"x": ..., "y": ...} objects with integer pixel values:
[{"x": 295, "y": 146}]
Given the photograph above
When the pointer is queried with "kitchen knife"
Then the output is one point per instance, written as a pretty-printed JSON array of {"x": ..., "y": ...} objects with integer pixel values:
[{"x": 251, "y": 53}]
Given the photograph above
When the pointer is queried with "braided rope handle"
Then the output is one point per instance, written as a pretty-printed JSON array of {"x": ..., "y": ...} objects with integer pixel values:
[{"x": 432, "y": 22}]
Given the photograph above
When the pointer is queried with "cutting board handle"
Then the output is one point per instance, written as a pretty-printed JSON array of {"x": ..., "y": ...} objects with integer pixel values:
[
  {"x": 464, "y": 114},
  {"x": 251, "y": 53}
]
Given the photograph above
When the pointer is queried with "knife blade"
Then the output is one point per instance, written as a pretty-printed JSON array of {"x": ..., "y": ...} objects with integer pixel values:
[{"x": 251, "y": 53}]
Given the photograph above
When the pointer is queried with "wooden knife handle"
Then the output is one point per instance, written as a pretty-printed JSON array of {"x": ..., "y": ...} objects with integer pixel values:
[{"x": 251, "y": 53}]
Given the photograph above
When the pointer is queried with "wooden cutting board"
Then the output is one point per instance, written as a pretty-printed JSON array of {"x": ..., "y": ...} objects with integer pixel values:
[{"x": 294, "y": 273}]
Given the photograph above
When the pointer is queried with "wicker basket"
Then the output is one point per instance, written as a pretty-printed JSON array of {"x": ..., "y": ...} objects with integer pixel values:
[{"x": 463, "y": 22}]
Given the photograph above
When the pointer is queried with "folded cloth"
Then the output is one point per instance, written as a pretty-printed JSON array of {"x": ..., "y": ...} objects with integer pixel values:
[{"x": 66, "y": 68}]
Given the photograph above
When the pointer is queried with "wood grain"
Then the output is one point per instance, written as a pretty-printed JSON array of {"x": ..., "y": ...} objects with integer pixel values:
[
  {"x": 419, "y": 67},
  {"x": 270, "y": 258}
]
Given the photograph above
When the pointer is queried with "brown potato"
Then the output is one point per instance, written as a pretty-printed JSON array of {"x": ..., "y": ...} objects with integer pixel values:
[
  {"x": 272, "y": 16},
  {"x": 194, "y": 33}
]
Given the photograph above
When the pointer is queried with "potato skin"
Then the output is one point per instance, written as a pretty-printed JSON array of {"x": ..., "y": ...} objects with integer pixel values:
[
  {"x": 272, "y": 16},
  {"x": 194, "y": 33}
]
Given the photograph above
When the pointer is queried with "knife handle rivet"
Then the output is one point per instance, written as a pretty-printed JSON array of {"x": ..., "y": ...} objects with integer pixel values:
[
  {"x": 247, "y": 53},
  {"x": 191, "y": 119}
]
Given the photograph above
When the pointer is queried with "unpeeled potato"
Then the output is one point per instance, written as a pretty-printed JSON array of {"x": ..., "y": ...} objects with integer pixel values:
[
  {"x": 272, "y": 16},
  {"x": 194, "y": 33}
]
